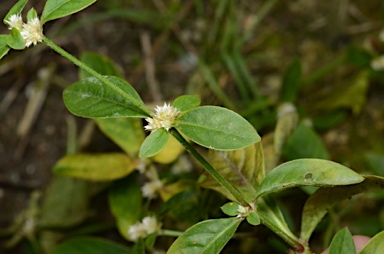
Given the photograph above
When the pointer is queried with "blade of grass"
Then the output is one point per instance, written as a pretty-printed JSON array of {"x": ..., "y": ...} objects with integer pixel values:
[{"x": 231, "y": 65}]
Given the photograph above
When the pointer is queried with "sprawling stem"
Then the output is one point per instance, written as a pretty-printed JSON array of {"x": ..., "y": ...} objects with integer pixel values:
[
  {"x": 209, "y": 168},
  {"x": 96, "y": 75}
]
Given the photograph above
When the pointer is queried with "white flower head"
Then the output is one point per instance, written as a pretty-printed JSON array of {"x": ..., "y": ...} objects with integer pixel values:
[
  {"x": 243, "y": 211},
  {"x": 163, "y": 118},
  {"x": 151, "y": 188},
  {"x": 378, "y": 63},
  {"x": 32, "y": 32},
  {"x": 15, "y": 21},
  {"x": 150, "y": 225},
  {"x": 137, "y": 231}
]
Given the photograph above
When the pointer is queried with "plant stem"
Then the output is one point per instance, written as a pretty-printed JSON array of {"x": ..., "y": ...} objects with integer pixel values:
[
  {"x": 235, "y": 193},
  {"x": 167, "y": 232},
  {"x": 97, "y": 75}
]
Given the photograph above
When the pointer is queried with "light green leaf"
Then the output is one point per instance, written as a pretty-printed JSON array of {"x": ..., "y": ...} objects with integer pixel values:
[
  {"x": 94, "y": 245},
  {"x": 15, "y": 40},
  {"x": 304, "y": 143},
  {"x": 91, "y": 98},
  {"x": 375, "y": 245},
  {"x": 125, "y": 202},
  {"x": 291, "y": 82},
  {"x": 307, "y": 172},
  {"x": 186, "y": 102},
  {"x": 217, "y": 128},
  {"x": 16, "y": 9},
  {"x": 253, "y": 218},
  {"x": 170, "y": 152},
  {"x": 31, "y": 14},
  {"x": 95, "y": 167},
  {"x": 206, "y": 237},
  {"x": 98, "y": 63},
  {"x": 4, "y": 48},
  {"x": 323, "y": 199},
  {"x": 342, "y": 243},
  {"x": 127, "y": 133},
  {"x": 54, "y": 9},
  {"x": 237, "y": 167},
  {"x": 154, "y": 143},
  {"x": 230, "y": 208}
]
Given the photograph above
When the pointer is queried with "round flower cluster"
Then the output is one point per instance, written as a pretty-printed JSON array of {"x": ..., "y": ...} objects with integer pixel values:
[
  {"x": 32, "y": 31},
  {"x": 163, "y": 118},
  {"x": 148, "y": 226}
]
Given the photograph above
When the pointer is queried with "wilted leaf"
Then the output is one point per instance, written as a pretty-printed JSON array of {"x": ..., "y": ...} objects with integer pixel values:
[
  {"x": 342, "y": 242},
  {"x": 94, "y": 245},
  {"x": 307, "y": 172},
  {"x": 95, "y": 167},
  {"x": 206, "y": 237},
  {"x": 323, "y": 199},
  {"x": 237, "y": 167},
  {"x": 127, "y": 133},
  {"x": 170, "y": 152},
  {"x": 217, "y": 128}
]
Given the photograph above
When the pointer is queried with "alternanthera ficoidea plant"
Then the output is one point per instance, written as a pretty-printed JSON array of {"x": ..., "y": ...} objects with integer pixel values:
[{"x": 244, "y": 181}]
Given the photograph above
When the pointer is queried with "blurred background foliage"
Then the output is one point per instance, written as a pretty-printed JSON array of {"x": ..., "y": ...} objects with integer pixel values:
[{"x": 249, "y": 56}]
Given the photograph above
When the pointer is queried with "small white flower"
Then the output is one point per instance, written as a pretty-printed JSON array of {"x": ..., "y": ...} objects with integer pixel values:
[
  {"x": 150, "y": 225},
  {"x": 163, "y": 118},
  {"x": 15, "y": 21},
  {"x": 378, "y": 63},
  {"x": 32, "y": 32},
  {"x": 151, "y": 188},
  {"x": 183, "y": 165},
  {"x": 243, "y": 211},
  {"x": 137, "y": 231}
]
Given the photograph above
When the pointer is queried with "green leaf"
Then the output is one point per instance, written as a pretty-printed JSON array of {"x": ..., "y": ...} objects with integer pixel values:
[
  {"x": 16, "y": 9},
  {"x": 91, "y": 98},
  {"x": 94, "y": 245},
  {"x": 359, "y": 57},
  {"x": 307, "y": 172},
  {"x": 95, "y": 167},
  {"x": 272, "y": 217},
  {"x": 342, "y": 243},
  {"x": 323, "y": 199},
  {"x": 237, "y": 167},
  {"x": 304, "y": 143},
  {"x": 376, "y": 162},
  {"x": 186, "y": 102},
  {"x": 154, "y": 143},
  {"x": 206, "y": 237},
  {"x": 253, "y": 218},
  {"x": 98, "y": 63},
  {"x": 4, "y": 48},
  {"x": 230, "y": 208},
  {"x": 127, "y": 133},
  {"x": 217, "y": 128},
  {"x": 125, "y": 202},
  {"x": 291, "y": 82},
  {"x": 54, "y": 9},
  {"x": 15, "y": 40},
  {"x": 31, "y": 14},
  {"x": 65, "y": 203},
  {"x": 375, "y": 245}
]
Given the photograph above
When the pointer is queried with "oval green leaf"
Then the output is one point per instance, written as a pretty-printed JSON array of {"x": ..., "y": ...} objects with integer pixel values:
[
  {"x": 127, "y": 133},
  {"x": 308, "y": 172},
  {"x": 4, "y": 48},
  {"x": 186, "y": 102},
  {"x": 95, "y": 167},
  {"x": 15, "y": 40},
  {"x": 16, "y": 9},
  {"x": 91, "y": 98},
  {"x": 217, "y": 128},
  {"x": 342, "y": 242},
  {"x": 253, "y": 218},
  {"x": 230, "y": 208},
  {"x": 92, "y": 245},
  {"x": 375, "y": 245},
  {"x": 206, "y": 237},
  {"x": 54, "y": 9},
  {"x": 323, "y": 199},
  {"x": 154, "y": 143}
]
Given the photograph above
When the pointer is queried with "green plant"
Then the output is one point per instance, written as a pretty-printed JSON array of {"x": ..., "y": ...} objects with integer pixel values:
[{"x": 235, "y": 164}]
